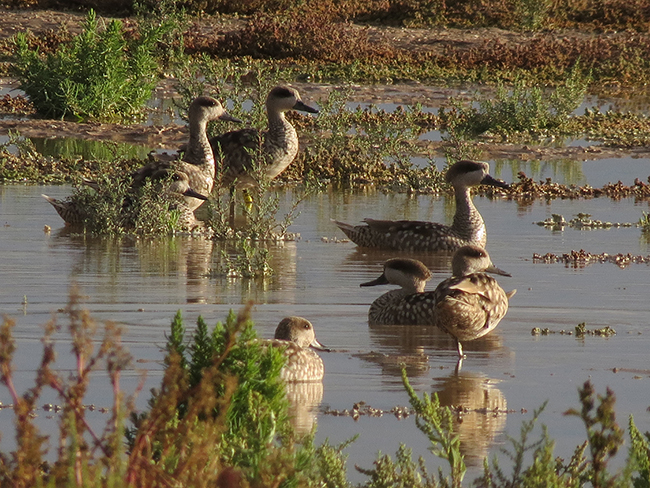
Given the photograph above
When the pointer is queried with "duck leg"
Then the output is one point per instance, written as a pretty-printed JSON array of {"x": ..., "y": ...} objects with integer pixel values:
[
  {"x": 460, "y": 349},
  {"x": 231, "y": 215}
]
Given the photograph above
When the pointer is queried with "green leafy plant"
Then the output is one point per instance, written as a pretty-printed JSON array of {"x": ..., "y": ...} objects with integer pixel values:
[
  {"x": 99, "y": 74},
  {"x": 112, "y": 207},
  {"x": 604, "y": 435},
  {"x": 519, "y": 110}
]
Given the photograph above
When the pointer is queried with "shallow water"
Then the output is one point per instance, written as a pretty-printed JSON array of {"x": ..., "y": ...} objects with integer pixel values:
[{"x": 141, "y": 283}]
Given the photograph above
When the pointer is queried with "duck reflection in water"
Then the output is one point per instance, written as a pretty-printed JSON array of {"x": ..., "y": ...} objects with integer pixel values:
[
  {"x": 303, "y": 371},
  {"x": 480, "y": 408}
]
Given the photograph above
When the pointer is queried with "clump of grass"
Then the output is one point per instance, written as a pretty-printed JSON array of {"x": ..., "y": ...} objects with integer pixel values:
[
  {"x": 112, "y": 207},
  {"x": 80, "y": 446},
  {"x": 644, "y": 222},
  {"x": 99, "y": 74},
  {"x": 437, "y": 423},
  {"x": 519, "y": 110},
  {"x": 604, "y": 435}
]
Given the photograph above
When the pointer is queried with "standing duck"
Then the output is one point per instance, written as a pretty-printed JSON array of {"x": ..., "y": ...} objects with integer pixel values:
[
  {"x": 278, "y": 144},
  {"x": 417, "y": 236},
  {"x": 471, "y": 303},
  {"x": 198, "y": 161},
  {"x": 467, "y": 306}
]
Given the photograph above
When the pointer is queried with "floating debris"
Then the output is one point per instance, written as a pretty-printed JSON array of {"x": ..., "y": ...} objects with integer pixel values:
[
  {"x": 360, "y": 409},
  {"x": 527, "y": 189},
  {"x": 581, "y": 221},
  {"x": 580, "y": 331},
  {"x": 582, "y": 258}
]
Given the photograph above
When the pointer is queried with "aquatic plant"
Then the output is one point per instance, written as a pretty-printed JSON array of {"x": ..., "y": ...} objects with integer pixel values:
[
  {"x": 644, "y": 222},
  {"x": 112, "y": 207},
  {"x": 99, "y": 74}
]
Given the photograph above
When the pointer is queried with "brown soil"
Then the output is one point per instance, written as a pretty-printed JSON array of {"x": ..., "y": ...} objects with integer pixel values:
[{"x": 434, "y": 39}]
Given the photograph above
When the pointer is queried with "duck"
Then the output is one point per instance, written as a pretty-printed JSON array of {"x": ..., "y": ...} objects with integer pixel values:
[
  {"x": 296, "y": 335},
  {"x": 278, "y": 144},
  {"x": 177, "y": 190},
  {"x": 192, "y": 179},
  {"x": 390, "y": 308},
  {"x": 418, "y": 236},
  {"x": 468, "y": 305},
  {"x": 198, "y": 160}
]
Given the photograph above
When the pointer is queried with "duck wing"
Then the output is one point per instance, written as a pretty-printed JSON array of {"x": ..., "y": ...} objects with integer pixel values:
[{"x": 400, "y": 226}]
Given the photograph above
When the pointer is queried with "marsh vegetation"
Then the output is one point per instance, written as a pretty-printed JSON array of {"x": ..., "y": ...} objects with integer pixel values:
[{"x": 219, "y": 412}]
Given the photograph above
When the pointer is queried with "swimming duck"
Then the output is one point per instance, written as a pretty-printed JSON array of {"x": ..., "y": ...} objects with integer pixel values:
[
  {"x": 391, "y": 308},
  {"x": 467, "y": 306},
  {"x": 411, "y": 235},
  {"x": 278, "y": 144},
  {"x": 471, "y": 303},
  {"x": 303, "y": 364}
]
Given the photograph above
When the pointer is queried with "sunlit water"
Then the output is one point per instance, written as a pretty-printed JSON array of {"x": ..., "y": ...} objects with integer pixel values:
[{"x": 141, "y": 283}]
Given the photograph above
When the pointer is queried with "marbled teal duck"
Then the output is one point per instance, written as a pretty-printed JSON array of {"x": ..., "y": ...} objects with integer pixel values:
[
  {"x": 278, "y": 144},
  {"x": 198, "y": 160},
  {"x": 391, "y": 308},
  {"x": 297, "y": 335},
  {"x": 471, "y": 303},
  {"x": 410, "y": 235},
  {"x": 193, "y": 177},
  {"x": 468, "y": 305}
]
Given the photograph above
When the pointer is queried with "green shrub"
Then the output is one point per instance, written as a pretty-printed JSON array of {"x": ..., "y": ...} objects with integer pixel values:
[
  {"x": 100, "y": 74},
  {"x": 520, "y": 109}
]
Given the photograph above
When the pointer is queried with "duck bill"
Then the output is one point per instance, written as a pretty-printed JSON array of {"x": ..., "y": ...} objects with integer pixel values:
[
  {"x": 318, "y": 346},
  {"x": 379, "y": 281},
  {"x": 489, "y": 180},
  {"x": 494, "y": 270},
  {"x": 191, "y": 193},
  {"x": 227, "y": 117},
  {"x": 300, "y": 105}
]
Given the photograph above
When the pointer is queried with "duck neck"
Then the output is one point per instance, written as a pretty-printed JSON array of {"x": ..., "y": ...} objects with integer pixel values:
[
  {"x": 199, "y": 151},
  {"x": 468, "y": 222},
  {"x": 281, "y": 142}
]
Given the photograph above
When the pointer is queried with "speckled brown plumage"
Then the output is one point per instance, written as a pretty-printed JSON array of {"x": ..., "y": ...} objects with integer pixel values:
[
  {"x": 296, "y": 334},
  {"x": 278, "y": 145},
  {"x": 471, "y": 303},
  {"x": 410, "y": 235},
  {"x": 468, "y": 305}
]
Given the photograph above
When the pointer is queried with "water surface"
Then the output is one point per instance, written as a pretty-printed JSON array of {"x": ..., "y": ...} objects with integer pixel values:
[{"x": 141, "y": 283}]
